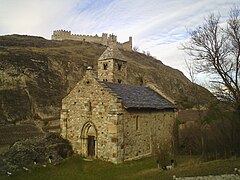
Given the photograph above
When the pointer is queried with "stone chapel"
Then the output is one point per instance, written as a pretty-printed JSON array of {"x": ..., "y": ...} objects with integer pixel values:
[{"x": 105, "y": 118}]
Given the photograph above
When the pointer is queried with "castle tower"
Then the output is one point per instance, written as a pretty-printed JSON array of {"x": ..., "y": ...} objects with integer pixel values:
[{"x": 112, "y": 66}]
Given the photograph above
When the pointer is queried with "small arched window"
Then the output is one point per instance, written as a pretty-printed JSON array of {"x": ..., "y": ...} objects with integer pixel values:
[
  {"x": 105, "y": 66},
  {"x": 119, "y": 66},
  {"x": 137, "y": 122},
  {"x": 89, "y": 106}
]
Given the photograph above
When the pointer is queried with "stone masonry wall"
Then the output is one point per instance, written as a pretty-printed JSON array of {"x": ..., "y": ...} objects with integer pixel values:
[
  {"x": 144, "y": 131},
  {"x": 120, "y": 134},
  {"x": 113, "y": 73},
  {"x": 126, "y": 45},
  {"x": 103, "y": 113},
  {"x": 105, "y": 39}
]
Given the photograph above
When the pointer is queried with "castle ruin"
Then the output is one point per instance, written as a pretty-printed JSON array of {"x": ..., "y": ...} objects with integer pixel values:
[{"x": 105, "y": 39}]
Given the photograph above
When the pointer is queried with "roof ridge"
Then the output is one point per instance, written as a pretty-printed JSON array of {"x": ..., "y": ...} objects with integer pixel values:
[{"x": 112, "y": 53}]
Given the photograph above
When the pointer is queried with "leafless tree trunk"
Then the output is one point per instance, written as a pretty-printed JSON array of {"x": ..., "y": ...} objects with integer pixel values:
[
  {"x": 195, "y": 91},
  {"x": 214, "y": 47}
]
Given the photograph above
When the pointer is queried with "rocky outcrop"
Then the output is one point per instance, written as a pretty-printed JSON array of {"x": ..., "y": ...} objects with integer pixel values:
[
  {"x": 35, "y": 75},
  {"x": 9, "y": 134},
  {"x": 38, "y": 150}
]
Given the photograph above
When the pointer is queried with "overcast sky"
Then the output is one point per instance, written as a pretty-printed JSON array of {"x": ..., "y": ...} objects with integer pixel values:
[{"x": 157, "y": 26}]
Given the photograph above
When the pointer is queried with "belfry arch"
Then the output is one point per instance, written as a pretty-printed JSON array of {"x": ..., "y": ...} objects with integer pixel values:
[{"x": 89, "y": 140}]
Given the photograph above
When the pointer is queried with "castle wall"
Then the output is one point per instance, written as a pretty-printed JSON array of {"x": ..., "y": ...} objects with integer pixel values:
[
  {"x": 104, "y": 39},
  {"x": 126, "y": 45},
  {"x": 66, "y": 35}
]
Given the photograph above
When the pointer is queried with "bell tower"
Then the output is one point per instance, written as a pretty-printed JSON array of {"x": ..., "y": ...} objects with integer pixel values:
[{"x": 112, "y": 66}]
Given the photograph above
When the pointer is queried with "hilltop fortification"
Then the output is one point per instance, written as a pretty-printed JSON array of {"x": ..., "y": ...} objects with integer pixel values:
[{"x": 105, "y": 39}]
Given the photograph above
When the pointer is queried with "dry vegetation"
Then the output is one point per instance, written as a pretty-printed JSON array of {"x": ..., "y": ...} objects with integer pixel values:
[{"x": 37, "y": 73}]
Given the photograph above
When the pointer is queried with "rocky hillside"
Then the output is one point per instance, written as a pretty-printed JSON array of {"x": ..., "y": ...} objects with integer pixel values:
[{"x": 35, "y": 74}]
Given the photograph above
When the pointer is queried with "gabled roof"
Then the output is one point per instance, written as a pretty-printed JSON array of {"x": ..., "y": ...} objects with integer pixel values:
[
  {"x": 112, "y": 53},
  {"x": 139, "y": 97}
]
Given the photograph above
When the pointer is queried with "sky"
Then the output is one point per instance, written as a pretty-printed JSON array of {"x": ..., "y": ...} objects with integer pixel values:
[{"x": 157, "y": 26}]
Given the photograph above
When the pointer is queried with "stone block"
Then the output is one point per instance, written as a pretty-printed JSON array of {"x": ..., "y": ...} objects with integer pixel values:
[
  {"x": 114, "y": 139},
  {"x": 112, "y": 129}
]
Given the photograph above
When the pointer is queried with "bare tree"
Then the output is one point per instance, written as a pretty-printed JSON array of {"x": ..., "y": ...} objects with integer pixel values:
[
  {"x": 202, "y": 124},
  {"x": 148, "y": 53},
  {"x": 135, "y": 49},
  {"x": 214, "y": 48}
]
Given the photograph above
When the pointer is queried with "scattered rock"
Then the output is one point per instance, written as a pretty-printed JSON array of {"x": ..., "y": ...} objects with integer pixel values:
[{"x": 38, "y": 150}]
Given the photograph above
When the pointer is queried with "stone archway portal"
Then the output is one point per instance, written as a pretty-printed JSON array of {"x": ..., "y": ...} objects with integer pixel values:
[{"x": 89, "y": 140}]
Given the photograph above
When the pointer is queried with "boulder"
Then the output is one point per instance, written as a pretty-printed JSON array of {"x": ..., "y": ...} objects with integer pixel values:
[{"x": 38, "y": 150}]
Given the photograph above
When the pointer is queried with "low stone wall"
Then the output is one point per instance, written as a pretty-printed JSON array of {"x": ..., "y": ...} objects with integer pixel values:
[{"x": 211, "y": 177}]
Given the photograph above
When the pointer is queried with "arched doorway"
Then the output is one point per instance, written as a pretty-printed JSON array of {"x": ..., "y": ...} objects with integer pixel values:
[{"x": 89, "y": 140}]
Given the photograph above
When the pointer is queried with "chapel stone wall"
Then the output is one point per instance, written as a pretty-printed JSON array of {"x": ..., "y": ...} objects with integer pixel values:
[
  {"x": 89, "y": 101},
  {"x": 147, "y": 132}
]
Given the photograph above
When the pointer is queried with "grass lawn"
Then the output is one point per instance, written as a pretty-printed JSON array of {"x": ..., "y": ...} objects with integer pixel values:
[{"x": 76, "y": 168}]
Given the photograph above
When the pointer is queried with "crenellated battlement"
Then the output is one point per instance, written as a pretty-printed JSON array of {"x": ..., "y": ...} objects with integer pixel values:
[{"x": 105, "y": 39}]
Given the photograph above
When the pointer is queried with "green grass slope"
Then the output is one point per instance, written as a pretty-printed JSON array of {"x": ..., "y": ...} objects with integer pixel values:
[{"x": 77, "y": 168}]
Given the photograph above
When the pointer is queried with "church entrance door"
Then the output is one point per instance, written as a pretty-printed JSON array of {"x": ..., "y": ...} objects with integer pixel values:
[
  {"x": 89, "y": 140},
  {"x": 91, "y": 146}
]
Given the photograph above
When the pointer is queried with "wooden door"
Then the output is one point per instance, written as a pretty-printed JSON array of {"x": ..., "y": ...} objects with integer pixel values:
[{"x": 91, "y": 146}]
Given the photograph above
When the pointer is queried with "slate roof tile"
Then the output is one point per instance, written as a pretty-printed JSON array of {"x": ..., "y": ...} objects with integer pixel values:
[{"x": 139, "y": 97}]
